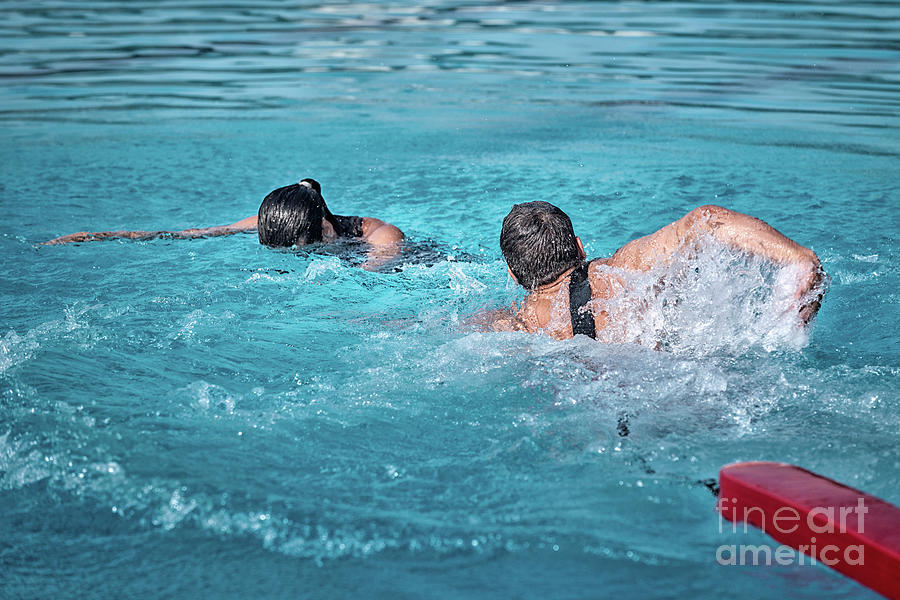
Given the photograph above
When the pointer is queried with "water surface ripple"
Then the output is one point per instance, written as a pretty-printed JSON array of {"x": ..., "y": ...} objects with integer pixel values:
[{"x": 832, "y": 59}]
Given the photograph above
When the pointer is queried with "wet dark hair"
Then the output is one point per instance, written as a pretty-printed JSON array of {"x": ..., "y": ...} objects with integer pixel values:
[
  {"x": 326, "y": 213},
  {"x": 292, "y": 215},
  {"x": 315, "y": 185},
  {"x": 538, "y": 243}
]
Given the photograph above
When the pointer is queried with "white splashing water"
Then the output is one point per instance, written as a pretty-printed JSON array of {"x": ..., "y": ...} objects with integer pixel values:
[{"x": 714, "y": 300}]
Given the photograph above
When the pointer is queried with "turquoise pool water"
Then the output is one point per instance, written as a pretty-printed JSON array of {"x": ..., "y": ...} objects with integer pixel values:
[{"x": 212, "y": 417}]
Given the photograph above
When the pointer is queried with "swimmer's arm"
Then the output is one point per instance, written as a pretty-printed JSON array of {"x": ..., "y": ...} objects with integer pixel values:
[
  {"x": 248, "y": 224},
  {"x": 740, "y": 231},
  {"x": 385, "y": 242},
  {"x": 735, "y": 229},
  {"x": 755, "y": 236},
  {"x": 96, "y": 236},
  {"x": 244, "y": 225}
]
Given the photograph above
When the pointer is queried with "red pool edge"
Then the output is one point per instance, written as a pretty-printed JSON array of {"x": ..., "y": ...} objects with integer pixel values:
[{"x": 852, "y": 532}]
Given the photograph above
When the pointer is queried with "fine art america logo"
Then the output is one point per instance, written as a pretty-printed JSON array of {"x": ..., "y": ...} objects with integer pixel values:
[{"x": 829, "y": 523}]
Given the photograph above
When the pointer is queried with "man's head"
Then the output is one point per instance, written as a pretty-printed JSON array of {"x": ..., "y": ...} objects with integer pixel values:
[
  {"x": 539, "y": 244},
  {"x": 292, "y": 215}
]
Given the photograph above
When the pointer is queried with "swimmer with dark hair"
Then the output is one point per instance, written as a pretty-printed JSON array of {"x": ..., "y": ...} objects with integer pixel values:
[
  {"x": 294, "y": 215},
  {"x": 568, "y": 295}
]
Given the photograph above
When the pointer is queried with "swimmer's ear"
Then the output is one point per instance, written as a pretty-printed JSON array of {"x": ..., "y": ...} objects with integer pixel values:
[
  {"x": 581, "y": 253},
  {"x": 508, "y": 270}
]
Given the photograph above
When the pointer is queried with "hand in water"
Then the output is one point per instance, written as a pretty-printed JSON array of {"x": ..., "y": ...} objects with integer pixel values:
[
  {"x": 809, "y": 291},
  {"x": 799, "y": 286},
  {"x": 81, "y": 236},
  {"x": 94, "y": 236}
]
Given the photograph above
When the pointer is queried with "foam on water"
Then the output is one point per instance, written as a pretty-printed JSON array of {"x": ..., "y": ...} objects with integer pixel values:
[{"x": 711, "y": 300}]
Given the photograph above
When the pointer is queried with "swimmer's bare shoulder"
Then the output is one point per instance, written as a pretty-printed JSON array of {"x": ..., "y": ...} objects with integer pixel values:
[
  {"x": 377, "y": 232},
  {"x": 385, "y": 242}
]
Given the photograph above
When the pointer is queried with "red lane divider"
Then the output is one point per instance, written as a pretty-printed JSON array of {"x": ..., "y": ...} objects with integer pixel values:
[{"x": 848, "y": 530}]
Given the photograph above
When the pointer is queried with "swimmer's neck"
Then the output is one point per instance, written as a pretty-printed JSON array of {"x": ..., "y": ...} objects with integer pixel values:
[
  {"x": 542, "y": 307},
  {"x": 546, "y": 307},
  {"x": 549, "y": 289}
]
